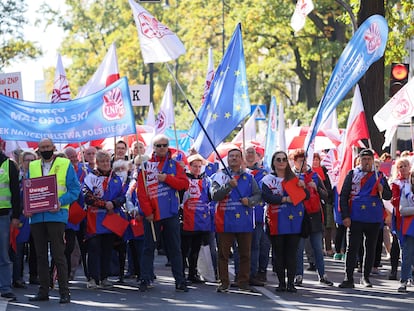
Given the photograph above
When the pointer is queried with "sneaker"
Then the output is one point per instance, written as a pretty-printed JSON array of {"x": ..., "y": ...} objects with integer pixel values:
[
  {"x": 222, "y": 289},
  {"x": 365, "y": 282},
  {"x": 392, "y": 275},
  {"x": 324, "y": 280},
  {"x": 105, "y": 284},
  {"x": 181, "y": 288},
  {"x": 347, "y": 284},
  {"x": 261, "y": 276},
  {"x": 298, "y": 280},
  {"x": 291, "y": 288},
  {"x": 143, "y": 286},
  {"x": 410, "y": 282},
  {"x": 375, "y": 271},
  {"x": 10, "y": 296},
  {"x": 337, "y": 256},
  {"x": 281, "y": 288},
  {"x": 256, "y": 282},
  {"x": 403, "y": 287},
  {"x": 195, "y": 279},
  {"x": 91, "y": 284}
]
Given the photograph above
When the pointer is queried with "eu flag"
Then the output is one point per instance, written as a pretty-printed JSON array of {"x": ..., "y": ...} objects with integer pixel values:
[{"x": 227, "y": 102}]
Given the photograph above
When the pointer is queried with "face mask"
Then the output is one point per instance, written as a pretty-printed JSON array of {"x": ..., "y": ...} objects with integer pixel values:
[
  {"x": 46, "y": 154},
  {"x": 123, "y": 175}
]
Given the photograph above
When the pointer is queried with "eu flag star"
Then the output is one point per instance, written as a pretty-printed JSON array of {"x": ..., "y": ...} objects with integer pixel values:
[
  {"x": 374, "y": 204},
  {"x": 227, "y": 115},
  {"x": 214, "y": 116},
  {"x": 363, "y": 206},
  {"x": 237, "y": 73},
  {"x": 237, "y": 215},
  {"x": 290, "y": 217}
]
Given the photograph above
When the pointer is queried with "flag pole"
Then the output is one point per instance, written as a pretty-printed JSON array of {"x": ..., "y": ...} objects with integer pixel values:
[{"x": 201, "y": 125}]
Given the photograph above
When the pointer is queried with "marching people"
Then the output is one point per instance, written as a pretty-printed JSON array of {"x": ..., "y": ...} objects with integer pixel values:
[
  {"x": 104, "y": 195},
  {"x": 159, "y": 181},
  {"x": 362, "y": 213},
  {"x": 236, "y": 196},
  {"x": 406, "y": 210},
  {"x": 9, "y": 215},
  {"x": 196, "y": 216},
  {"x": 284, "y": 219},
  {"x": 260, "y": 242},
  {"x": 313, "y": 207},
  {"x": 49, "y": 226},
  {"x": 401, "y": 178}
]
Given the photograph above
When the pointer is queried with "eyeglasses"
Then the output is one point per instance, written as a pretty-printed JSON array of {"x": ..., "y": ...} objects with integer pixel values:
[
  {"x": 161, "y": 145},
  {"x": 280, "y": 160}
]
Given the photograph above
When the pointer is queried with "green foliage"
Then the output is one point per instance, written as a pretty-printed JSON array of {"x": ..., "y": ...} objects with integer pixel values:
[
  {"x": 12, "y": 45},
  {"x": 276, "y": 58}
]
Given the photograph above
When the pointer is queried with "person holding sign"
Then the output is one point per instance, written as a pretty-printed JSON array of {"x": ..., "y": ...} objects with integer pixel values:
[
  {"x": 50, "y": 225},
  {"x": 284, "y": 193},
  {"x": 9, "y": 206}
]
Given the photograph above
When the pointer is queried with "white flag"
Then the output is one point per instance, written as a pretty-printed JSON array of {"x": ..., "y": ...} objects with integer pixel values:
[
  {"x": 105, "y": 75},
  {"x": 249, "y": 129},
  {"x": 210, "y": 74},
  {"x": 281, "y": 129},
  {"x": 158, "y": 43},
  {"x": 61, "y": 90},
  {"x": 165, "y": 117},
  {"x": 396, "y": 111},
  {"x": 302, "y": 9},
  {"x": 151, "y": 116}
]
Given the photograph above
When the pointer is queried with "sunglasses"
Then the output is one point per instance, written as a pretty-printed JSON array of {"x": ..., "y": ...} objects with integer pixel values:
[
  {"x": 280, "y": 160},
  {"x": 161, "y": 145}
]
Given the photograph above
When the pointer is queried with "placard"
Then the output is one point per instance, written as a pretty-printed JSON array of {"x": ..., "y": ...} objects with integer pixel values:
[
  {"x": 40, "y": 194},
  {"x": 296, "y": 193}
]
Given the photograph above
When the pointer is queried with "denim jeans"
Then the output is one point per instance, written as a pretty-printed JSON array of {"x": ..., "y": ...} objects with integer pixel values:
[
  {"x": 171, "y": 230},
  {"x": 407, "y": 258},
  {"x": 316, "y": 242},
  {"x": 259, "y": 251},
  {"x": 5, "y": 263}
]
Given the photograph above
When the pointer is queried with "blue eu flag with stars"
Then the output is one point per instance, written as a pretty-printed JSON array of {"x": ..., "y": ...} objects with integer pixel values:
[{"x": 227, "y": 102}]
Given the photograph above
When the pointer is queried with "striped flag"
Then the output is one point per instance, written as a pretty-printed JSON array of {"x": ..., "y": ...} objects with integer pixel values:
[{"x": 302, "y": 9}]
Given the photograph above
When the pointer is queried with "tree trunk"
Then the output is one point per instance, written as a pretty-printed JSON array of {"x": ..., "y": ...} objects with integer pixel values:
[{"x": 372, "y": 83}]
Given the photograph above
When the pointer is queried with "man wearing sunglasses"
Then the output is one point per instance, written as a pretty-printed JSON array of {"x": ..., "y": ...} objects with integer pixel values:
[{"x": 159, "y": 181}]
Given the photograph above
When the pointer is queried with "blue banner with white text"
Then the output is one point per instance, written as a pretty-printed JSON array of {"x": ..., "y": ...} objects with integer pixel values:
[{"x": 106, "y": 113}]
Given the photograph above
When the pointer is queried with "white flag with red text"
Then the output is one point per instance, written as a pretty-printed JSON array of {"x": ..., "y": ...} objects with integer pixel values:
[
  {"x": 165, "y": 117},
  {"x": 210, "y": 74},
  {"x": 302, "y": 9},
  {"x": 396, "y": 111},
  {"x": 356, "y": 129},
  {"x": 158, "y": 43},
  {"x": 61, "y": 90}
]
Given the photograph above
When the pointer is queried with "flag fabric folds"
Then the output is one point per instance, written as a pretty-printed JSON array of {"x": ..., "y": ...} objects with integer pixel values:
[
  {"x": 396, "y": 111},
  {"x": 366, "y": 46},
  {"x": 210, "y": 74},
  {"x": 100, "y": 115},
  {"x": 165, "y": 117},
  {"x": 271, "y": 134},
  {"x": 356, "y": 129},
  {"x": 227, "y": 102},
  {"x": 248, "y": 130},
  {"x": 158, "y": 43},
  {"x": 106, "y": 74},
  {"x": 302, "y": 9},
  {"x": 61, "y": 90}
]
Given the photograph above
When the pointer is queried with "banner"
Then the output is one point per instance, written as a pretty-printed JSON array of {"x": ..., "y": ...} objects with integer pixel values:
[
  {"x": 104, "y": 114},
  {"x": 11, "y": 84},
  {"x": 366, "y": 47}
]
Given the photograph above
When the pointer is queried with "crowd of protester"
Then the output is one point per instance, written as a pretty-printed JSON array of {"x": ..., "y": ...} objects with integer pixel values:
[{"x": 117, "y": 209}]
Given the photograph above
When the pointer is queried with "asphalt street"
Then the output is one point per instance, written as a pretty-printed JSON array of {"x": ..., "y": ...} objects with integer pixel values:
[{"x": 311, "y": 296}]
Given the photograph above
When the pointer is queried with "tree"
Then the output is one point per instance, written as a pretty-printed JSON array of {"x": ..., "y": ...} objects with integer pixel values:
[{"x": 12, "y": 45}]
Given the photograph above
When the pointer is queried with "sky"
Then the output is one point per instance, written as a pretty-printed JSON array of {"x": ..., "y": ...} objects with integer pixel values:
[{"x": 48, "y": 40}]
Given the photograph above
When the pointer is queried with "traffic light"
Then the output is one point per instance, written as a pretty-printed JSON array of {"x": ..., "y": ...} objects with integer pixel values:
[{"x": 398, "y": 77}]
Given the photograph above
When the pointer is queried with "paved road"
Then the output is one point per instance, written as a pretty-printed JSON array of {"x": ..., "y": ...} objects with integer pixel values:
[{"x": 312, "y": 296}]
